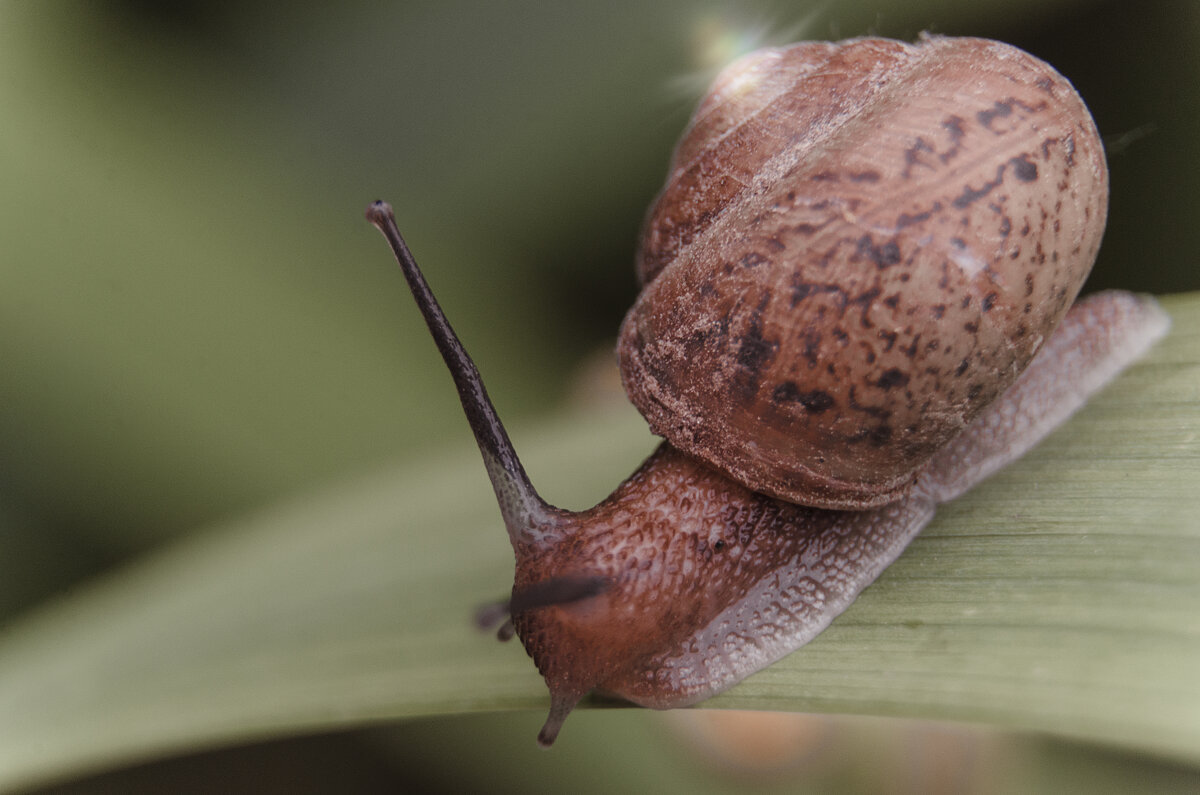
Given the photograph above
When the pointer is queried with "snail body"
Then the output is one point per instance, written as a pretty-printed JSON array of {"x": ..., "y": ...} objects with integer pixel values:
[{"x": 857, "y": 303}]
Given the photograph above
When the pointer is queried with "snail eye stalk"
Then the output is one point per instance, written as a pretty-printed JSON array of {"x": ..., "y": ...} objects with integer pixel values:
[{"x": 524, "y": 511}]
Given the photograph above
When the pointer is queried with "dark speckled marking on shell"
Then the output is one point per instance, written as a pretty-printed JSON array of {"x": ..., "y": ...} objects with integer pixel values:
[{"x": 911, "y": 209}]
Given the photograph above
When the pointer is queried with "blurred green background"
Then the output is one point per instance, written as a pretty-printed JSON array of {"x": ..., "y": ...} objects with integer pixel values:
[{"x": 195, "y": 321}]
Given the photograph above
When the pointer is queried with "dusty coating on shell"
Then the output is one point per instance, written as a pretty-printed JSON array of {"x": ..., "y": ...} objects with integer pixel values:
[{"x": 859, "y": 247}]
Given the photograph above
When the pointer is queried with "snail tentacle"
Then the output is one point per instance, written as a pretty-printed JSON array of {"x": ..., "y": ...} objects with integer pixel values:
[{"x": 525, "y": 513}]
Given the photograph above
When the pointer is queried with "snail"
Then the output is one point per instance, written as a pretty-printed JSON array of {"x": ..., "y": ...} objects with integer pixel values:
[{"x": 857, "y": 303}]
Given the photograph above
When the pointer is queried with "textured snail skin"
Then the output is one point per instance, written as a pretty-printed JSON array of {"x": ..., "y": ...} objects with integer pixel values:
[
  {"x": 859, "y": 246},
  {"x": 877, "y": 281}
]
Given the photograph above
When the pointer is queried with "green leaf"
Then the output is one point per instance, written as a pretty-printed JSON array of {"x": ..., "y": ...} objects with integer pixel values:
[{"x": 1062, "y": 596}]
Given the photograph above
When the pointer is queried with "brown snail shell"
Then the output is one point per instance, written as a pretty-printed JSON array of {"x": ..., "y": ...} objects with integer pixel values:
[{"x": 860, "y": 245}]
